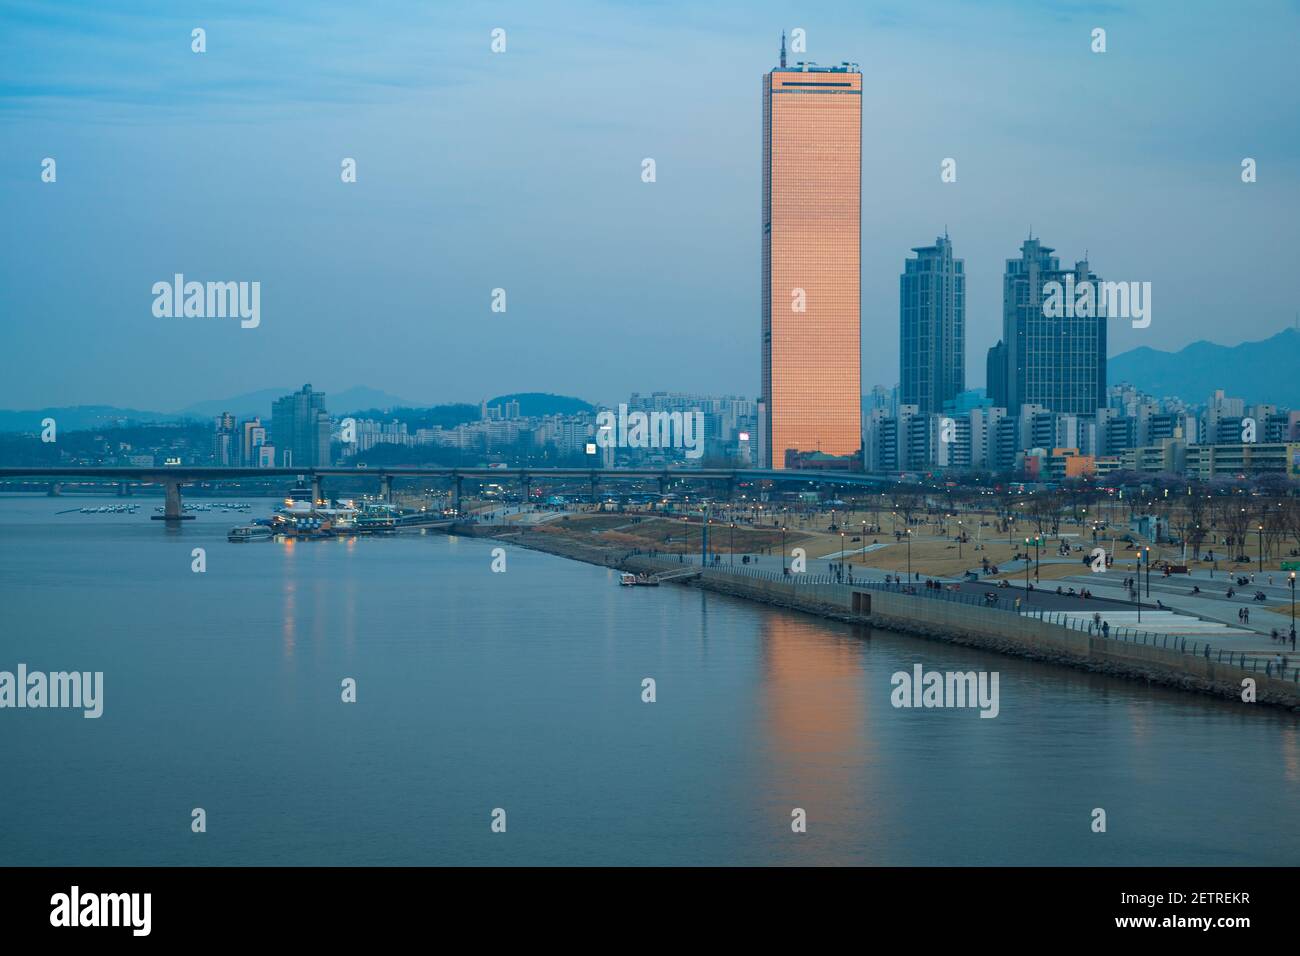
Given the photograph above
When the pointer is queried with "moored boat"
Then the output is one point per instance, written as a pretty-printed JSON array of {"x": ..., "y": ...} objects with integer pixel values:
[{"x": 637, "y": 580}]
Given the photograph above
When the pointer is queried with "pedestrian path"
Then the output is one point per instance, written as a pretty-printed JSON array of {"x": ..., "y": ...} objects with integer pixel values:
[{"x": 1156, "y": 622}]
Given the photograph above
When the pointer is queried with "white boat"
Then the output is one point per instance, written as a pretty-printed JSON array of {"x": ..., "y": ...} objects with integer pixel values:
[
  {"x": 250, "y": 532},
  {"x": 637, "y": 580}
]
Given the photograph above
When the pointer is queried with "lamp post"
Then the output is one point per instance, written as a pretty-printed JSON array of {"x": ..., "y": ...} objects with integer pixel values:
[
  {"x": 909, "y": 554},
  {"x": 1292, "y": 581},
  {"x": 1146, "y": 559},
  {"x": 862, "y": 555},
  {"x": 958, "y": 539},
  {"x": 732, "y": 546},
  {"x": 686, "y": 537},
  {"x": 841, "y": 557},
  {"x": 1026, "y": 569},
  {"x": 1261, "y": 548},
  {"x": 1242, "y": 543},
  {"x": 783, "y": 545}
]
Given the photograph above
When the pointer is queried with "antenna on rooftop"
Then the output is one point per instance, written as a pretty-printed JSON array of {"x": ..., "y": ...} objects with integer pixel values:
[{"x": 783, "y": 49}]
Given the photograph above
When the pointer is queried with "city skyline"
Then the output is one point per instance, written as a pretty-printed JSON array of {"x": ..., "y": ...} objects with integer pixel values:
[
  {"x": 368, "y": 272},
  {"x": 652, "y": 435}
]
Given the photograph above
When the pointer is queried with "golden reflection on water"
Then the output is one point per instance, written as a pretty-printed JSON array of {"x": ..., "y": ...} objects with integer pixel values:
[
  {"x": 289, "y": 617},
  {"x": 816, "y": 729},
  {"x": 1290, "y": 757}
]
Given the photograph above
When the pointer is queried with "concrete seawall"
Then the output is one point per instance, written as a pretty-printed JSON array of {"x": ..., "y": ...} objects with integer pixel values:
[{"x": 956, "y": 623}]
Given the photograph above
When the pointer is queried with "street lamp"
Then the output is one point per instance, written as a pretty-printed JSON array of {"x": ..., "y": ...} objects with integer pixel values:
[
  {"x": 1146, "y": 559},
  {"x": 909, "y": 554},
  {"x": 841, "y": 557},
  {"x": 1026, "y": 569},
  {"x": 686, "y": 537},
  {"x": 732, "y": 546},
  {"x": 783, "y": 542},
  {"x": 1137, "y": 594},
  {"x": 1292, "y": 580},
  {"x": 958, "y": 539},
  {"x": 1261, "y": 548}
]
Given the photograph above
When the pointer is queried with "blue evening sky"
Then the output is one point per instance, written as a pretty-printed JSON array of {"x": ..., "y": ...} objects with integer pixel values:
[{"x": 522, "y": 170}]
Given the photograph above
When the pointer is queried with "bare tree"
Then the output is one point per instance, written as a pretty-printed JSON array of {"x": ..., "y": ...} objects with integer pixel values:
[
  {"x": 1196, "y": 520},
  {"x": 906, "y": 501},
  {"x": 1235, "y": 523}
]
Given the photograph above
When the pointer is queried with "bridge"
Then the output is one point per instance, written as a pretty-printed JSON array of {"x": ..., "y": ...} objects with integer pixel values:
[{"x": 172, "y": 478}]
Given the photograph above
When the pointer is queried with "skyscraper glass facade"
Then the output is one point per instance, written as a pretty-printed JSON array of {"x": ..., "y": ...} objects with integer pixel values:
[
  {"x": 932, "y": 327},
  {"x": 1058, "y": 362},
  {"x": 811, "y": 270}
]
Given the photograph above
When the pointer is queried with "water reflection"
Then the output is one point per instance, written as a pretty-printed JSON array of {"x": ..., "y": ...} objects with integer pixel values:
[{"x": 815, "y": 727}]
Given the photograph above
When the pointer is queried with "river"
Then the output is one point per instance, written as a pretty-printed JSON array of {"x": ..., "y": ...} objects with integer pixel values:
[{"x": 522, "y": 690}]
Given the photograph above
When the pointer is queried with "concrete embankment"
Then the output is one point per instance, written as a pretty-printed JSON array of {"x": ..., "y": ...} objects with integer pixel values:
[{"x": 953, "y": 622}]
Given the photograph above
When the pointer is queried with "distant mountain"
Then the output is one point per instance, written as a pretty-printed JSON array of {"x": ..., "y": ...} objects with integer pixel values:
[
  {"x": 73, "y": 418},
  {"x": 259, "y": 402},
  {"x": 1263, "y": 371},
  {"x": 359, "y": 401},
  {"x": 434, "y": 416},
  {"x": 543, "y": 403}
]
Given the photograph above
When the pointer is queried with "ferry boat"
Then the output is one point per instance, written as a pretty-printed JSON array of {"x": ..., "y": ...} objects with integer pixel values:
[
  {"x": 251, "y": 532},
  {"x": 378, "y": 519},
  {"x": 301, "y": 519}
]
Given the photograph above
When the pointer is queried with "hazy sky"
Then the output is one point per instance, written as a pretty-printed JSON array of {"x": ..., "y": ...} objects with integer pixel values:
[{"x": 521, "y": 170}]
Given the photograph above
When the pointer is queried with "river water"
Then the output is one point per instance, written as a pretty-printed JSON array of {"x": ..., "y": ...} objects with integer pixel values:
[{"x": 522, "y": 690}]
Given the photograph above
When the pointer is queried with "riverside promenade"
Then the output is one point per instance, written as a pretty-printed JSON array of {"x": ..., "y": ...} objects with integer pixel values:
[
  {"x": 1068, "y": 638},
  {"x": 1061, "y": 637}
]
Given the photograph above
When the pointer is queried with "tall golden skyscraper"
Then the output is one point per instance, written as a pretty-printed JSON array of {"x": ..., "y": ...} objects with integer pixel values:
[{"x": 812, "y": 225}]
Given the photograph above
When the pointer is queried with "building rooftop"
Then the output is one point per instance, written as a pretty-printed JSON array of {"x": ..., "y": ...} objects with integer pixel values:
[{"x": 810, "y": 67}]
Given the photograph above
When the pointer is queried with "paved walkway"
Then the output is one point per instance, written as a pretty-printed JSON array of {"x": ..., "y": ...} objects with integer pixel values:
[
  {"x": 1212, "y": 606},
  {"x": 1166, "y": 622}
]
